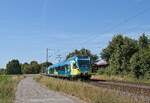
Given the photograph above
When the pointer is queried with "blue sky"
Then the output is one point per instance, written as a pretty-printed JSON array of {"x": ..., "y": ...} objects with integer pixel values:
[{"x": 28, "y": 27}]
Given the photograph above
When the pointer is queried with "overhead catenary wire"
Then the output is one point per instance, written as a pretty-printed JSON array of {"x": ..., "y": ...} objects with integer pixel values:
[
  {"x": 94, "y": 37},
  {"x": 116, "y": 26}
]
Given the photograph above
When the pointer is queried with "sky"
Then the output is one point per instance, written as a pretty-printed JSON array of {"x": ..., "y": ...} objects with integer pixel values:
[{"x": 28, "y": 27}]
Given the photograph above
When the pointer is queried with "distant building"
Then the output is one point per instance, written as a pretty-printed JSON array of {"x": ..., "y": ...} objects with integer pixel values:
[{"x": 99, "y": 64}]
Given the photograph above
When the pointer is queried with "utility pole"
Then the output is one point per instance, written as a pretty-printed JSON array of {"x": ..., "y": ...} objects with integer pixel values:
[
  {"x": 46, "y": 60},
  {"x": 47, "y": 56}
]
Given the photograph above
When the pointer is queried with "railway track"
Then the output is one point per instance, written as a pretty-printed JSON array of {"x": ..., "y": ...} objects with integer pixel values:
[
  {"x": 127, "y": 87},
  {"x": 138, "y": 89}
]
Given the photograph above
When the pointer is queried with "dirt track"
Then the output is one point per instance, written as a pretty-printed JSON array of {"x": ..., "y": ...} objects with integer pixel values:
[{"x": 29, "y": 91}]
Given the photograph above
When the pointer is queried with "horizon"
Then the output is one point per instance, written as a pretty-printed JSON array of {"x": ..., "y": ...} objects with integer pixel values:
[{"x": 29, "y": 27}]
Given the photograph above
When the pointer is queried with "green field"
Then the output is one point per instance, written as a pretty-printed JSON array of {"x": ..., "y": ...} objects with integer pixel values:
[{"x": 8, "y": 86}]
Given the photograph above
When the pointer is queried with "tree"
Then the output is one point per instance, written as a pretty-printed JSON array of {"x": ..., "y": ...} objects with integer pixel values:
[
  {"x": 143, "y": 41},
  {"x": 83, "y": 52},
  {"x": 2, "y": 71},
  {"x": 111, "y": 48},
  {"x": 32, "y": 68},
  {"x": 140, "y": 61},
  {"x": 140, "y": 64},
  {"x": 26, "y": 68},
  {"x": 118, "y": 53},
  {"x": 35, "y": 67},
  {"x": 13, "y": 67},
  {"x": 44, "y": 66}
]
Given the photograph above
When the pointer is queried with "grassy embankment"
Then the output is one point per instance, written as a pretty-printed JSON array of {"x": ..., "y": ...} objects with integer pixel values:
[
  {"x": 8, "y": 86},
  {"x": 121, "y": 78},
  {"x": 86, "y": 92}
]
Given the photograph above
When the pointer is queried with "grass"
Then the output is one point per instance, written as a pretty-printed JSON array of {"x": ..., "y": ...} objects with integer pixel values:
[
  {"x": 121, "y": 78},
  {"x": 8, "y": 86},
  {"x": 86, "y": 92}
]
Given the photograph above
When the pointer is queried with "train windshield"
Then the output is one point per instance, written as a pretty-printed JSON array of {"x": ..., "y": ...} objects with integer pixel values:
[{"x": 84, "y": 63}]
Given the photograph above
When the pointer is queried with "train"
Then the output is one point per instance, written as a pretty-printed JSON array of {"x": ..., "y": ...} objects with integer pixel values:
[{"x": 74, "y": 67}]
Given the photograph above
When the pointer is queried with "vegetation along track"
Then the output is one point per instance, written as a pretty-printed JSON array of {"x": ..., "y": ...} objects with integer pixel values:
[
  {"x": 134, "y": 88},
  {"x": 138, "y": 89}
]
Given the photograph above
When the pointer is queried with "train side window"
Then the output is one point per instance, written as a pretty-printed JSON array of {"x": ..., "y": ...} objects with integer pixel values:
[{"x": 62, "y": 68}]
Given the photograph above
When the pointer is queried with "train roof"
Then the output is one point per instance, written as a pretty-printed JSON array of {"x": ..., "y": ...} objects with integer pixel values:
[
  {"x": 79, "y": 57},
  {"x": 60, "y": 64},
  {"x": 67, "y": 62}
]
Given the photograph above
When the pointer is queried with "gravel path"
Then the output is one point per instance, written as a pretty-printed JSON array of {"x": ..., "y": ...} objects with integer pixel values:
[{"x": 29, "y": 91}]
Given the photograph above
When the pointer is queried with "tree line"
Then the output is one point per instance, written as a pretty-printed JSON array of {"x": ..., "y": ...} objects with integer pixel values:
[
  {"x": 83, "y": 52},
  {"x": 15, "y": 67},
  {"x": 128, "y": 56},
  {"x": 125, "y": 56}
]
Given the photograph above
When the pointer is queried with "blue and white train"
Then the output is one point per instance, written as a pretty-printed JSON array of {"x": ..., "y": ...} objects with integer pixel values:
[{"x": 75, "y": 67}]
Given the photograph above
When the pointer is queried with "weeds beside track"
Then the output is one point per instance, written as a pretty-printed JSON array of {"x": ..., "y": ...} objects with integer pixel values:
[
  {"x": 87, "y": 92},
  {"x": 137, "y": 89}
]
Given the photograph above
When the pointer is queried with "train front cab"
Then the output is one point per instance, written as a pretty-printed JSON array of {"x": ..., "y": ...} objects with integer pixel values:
[
  {"x": 75, "y": 71},
  {"x": 84, "y": 66},
  {"x": 80, "y": 67}
]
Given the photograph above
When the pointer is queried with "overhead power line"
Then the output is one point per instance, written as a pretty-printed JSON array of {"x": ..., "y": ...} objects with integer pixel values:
[
  {"x": 59, "y": 57},
  {"x": 117, "y": 25}
]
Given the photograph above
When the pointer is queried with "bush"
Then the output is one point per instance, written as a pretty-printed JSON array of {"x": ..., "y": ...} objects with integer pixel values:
[
  {"x": 101, "y": 71},
  {"x": 2, "y": 71},
  {"x": 140, "y": 64}
]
